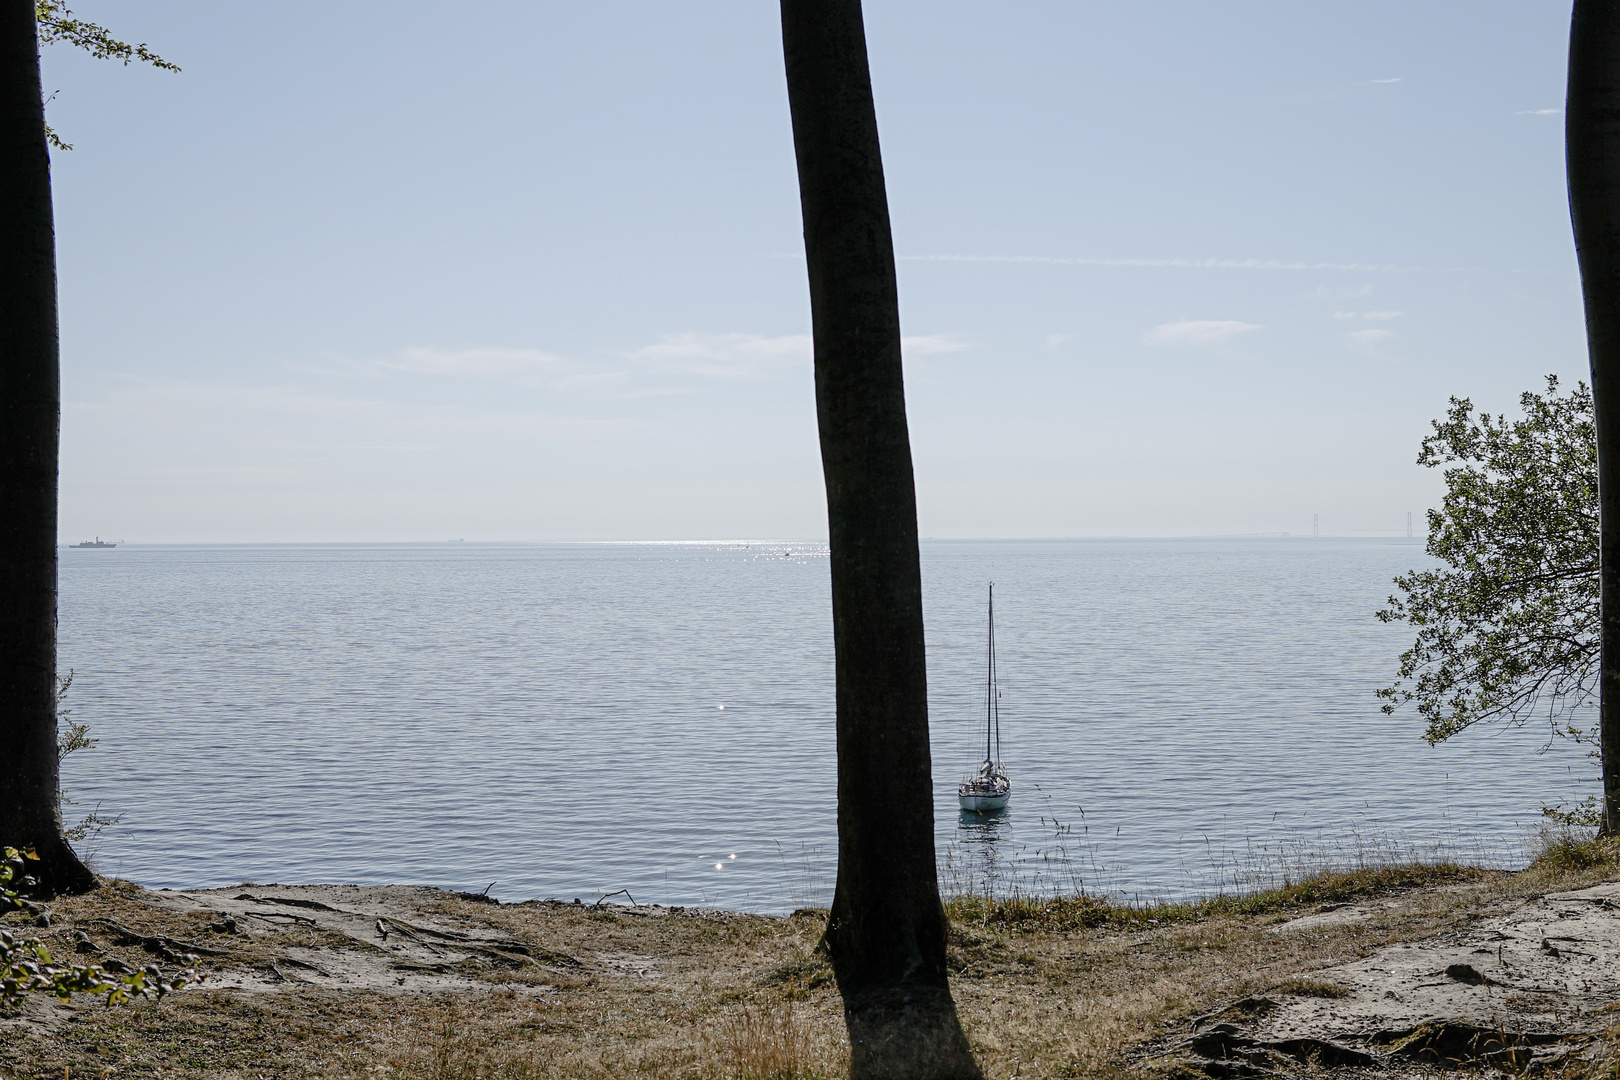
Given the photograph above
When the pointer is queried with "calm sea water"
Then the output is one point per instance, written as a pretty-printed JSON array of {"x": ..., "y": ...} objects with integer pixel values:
[{"x": 573, "y": 719}]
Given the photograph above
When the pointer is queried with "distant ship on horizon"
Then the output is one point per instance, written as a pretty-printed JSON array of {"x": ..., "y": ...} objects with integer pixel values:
[{"x": 98, "y": 542}]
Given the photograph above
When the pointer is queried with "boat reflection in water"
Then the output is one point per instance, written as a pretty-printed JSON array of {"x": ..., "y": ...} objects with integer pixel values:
[
  {"x": 984, "y": 826},
  {"x": 982, "y": 858}
]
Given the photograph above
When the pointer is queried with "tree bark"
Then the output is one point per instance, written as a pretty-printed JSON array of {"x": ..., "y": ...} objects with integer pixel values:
[
  {"x": 1592, "y": 156},
  {"x": 30, "y": 416},
  {"x": 886, "y": 933}
]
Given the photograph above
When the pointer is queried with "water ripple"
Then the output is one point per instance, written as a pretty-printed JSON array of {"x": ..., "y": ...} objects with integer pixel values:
[{"x": 550, "y": 716}]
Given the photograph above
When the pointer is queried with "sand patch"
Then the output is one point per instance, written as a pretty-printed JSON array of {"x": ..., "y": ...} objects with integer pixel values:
[{"x": 1536, "y": 986}]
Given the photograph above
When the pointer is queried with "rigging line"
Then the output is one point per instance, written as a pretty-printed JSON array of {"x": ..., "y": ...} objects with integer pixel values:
[
  {"x": 990, "y": 671},
  {"x": 997, "y": 710},
  {"x": 993, "y": 717}
]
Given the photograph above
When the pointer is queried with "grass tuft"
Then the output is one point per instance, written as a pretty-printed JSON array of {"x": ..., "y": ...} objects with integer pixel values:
[
  {"x": 801, "y": 976},
  {"x": 1563, "y": 851},
  {"x": 1305, "y": 986},
  {"x": 767, "y": 1043}
]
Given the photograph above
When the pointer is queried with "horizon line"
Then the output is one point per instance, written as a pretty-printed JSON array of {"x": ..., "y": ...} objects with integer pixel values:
[{"x": 1360, "y": 534}]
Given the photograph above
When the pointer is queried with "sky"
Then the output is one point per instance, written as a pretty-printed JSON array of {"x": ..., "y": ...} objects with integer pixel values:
[{"x": 401, "y": 271}]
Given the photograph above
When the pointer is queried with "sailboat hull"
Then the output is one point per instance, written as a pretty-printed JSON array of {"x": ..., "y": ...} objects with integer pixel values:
[{"x": 979, "y": 803}]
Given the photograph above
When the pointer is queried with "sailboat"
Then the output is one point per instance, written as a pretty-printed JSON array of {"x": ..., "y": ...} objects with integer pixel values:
[{"x": 988, "y": 788}]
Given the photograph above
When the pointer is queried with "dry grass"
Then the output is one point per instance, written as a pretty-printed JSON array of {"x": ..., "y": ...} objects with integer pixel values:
[
  {"x": 1304, "y": 986},
  {"x": 1046, "y": 988},
  {"x": 769, "y": 1043},
  {"x": 1079, "y": 987},
  {"x": 1065, "y": 914}
]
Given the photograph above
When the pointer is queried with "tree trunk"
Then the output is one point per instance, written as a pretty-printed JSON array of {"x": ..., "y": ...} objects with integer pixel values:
[
  {"x": 886, "y": 934},
  {"x": 1592, "y": 154},
  {"x": 30, "y": 415}
]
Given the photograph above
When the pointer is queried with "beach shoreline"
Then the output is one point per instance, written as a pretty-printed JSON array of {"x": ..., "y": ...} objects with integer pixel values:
[{"x": 1345, "y": 969}]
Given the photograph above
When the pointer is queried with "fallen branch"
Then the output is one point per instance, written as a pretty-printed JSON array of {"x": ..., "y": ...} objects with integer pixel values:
[
  {"x": 499, "y": 949},
  {"x": 290, "y": 901},
  {"x": 157, "y": 944},
  {"x": 273, "y": 915},
  {"x": 386, "y": 924},
  {"x": 307, "y": 966},
  {"x": 436, "y": 969}
]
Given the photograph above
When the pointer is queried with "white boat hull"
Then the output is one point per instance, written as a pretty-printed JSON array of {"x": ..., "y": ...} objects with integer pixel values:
[{"x": 980, "y": 803}]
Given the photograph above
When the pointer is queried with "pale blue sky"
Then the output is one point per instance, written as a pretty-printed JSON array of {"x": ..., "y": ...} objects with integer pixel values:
[{"x": 406, "y": 271}]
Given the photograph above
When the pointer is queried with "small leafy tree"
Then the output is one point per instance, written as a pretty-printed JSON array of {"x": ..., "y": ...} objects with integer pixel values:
[
  {"x": 57, "y": 23},
  {"x": 71, "y": 737},
  {"x": 1508, "y": 630},
  {"x": 26, "y": 965}
]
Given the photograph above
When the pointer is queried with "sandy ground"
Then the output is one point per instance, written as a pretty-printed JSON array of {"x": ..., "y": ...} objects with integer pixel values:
[
  {"x": 1535, "y": 986},
  {"x": 1478, "y": 970},
  {"x": 378, "y": 937},
  {"x": 406, "y": 981}
]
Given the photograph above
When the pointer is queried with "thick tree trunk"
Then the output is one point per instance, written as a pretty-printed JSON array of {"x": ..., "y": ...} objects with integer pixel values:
[
  {"x": 886, "y": 933},
  {"x": 30, "y": 413},
  {"x": 1592, "y": 154}
]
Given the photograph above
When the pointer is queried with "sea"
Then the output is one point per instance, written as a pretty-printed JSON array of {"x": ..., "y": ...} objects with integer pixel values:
[{"x": 653, "y": 722}]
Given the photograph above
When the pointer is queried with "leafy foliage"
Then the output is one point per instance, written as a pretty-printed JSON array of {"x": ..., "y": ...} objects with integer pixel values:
[
  {"x": 57, "y": 23},
  {"x": 75, "y": 736},
  {"x": 26, "y": 965},
  {"x": 1587, "y": 813},
  {"x": 72, "y": 736},
  {"x": 1509, "y": 630}
]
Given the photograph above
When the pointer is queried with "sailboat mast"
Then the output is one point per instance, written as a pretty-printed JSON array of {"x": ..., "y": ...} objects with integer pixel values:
[
  {"x": 995, "y": 700},
  {"x": 990, "y": 678}
]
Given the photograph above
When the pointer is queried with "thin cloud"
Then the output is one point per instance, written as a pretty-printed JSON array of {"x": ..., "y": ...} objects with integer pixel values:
[
  {"x": 532, "y": 368},
  {"x": 476, "y": 361},
  {"x": 932, "y": 344},
  {"x": 1197, "y": 333},
  {"x": 756, "y": 355},
  {"x": 1386, "y": 81},
  {"x": 677, "y": 363},
  {"x": 323, "y": 447},
  {"x": 1369, "y": 341},
  {"x": 1368, "y": 316},
  {"x": 320, "y": 421},
  {"x": 1539, "y": 112},
  {"x": 726, "y": 356},
  {"x": 1174, "y": 264}
]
